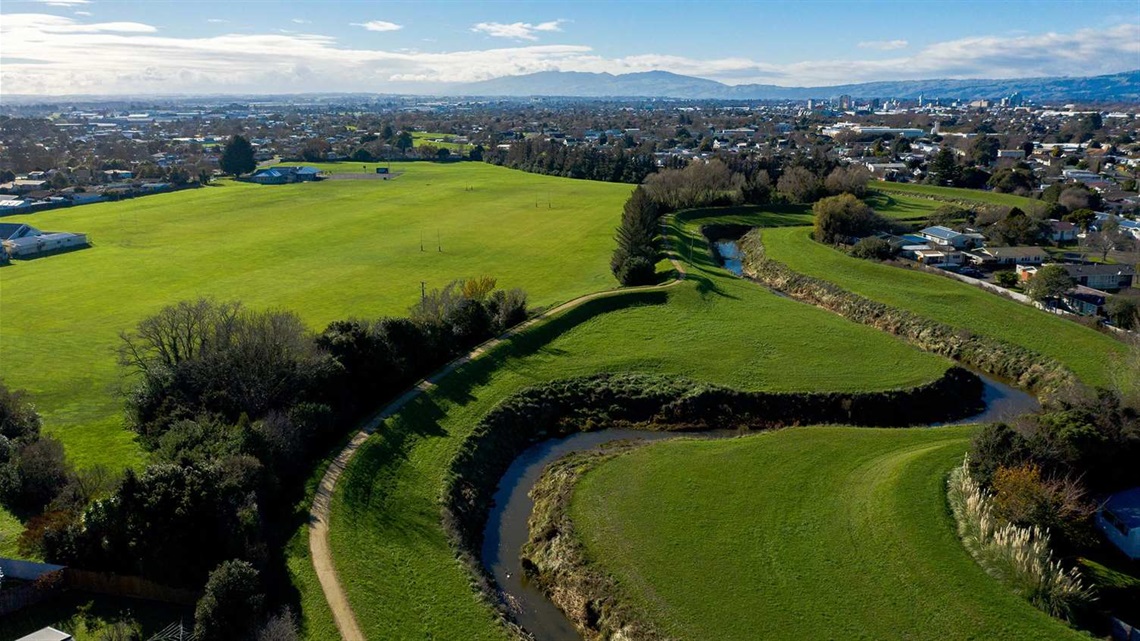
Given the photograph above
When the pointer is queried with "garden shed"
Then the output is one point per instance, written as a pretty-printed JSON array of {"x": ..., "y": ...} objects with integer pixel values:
[{"x": 1119, "y": 518}]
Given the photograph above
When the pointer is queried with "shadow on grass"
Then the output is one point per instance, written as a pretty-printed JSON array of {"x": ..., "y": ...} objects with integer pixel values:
[{"x": 368, "y": 481}]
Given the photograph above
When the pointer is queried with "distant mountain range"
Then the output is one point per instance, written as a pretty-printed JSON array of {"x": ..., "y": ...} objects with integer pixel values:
[{"x": 1123, "y": 86}]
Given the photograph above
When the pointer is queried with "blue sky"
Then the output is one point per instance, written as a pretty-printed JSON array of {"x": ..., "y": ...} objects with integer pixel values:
[{"x": 197, "y": 46}]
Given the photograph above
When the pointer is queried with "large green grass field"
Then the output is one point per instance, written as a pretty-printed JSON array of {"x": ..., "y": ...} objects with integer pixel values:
[
  {"x": 327, "y": 250},
  {"x": 1088, "y": 353},
  {"x": 805, "y": 533},
  {"x": 401, "y": 577}
]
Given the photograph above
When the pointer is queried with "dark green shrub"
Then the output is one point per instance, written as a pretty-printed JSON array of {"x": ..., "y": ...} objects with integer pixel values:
[
  {"x": 231, "y": 606},
  {"x": 873, "y": 248}
]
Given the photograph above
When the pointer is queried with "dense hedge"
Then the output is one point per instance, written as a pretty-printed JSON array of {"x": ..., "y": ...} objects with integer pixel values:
[
  {"x": 1023, "y": 367},
  {"x": 665, "y": 403}
]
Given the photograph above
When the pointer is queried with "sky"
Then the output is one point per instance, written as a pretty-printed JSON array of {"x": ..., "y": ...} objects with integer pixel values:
[{"x": 164, "y": 47}]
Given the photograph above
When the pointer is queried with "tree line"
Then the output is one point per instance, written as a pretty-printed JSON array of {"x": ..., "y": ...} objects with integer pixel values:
[
  {"x": 608, "y": 164},
  {"x": 233, "y": 406},
  {"x": 733, "y": 181}
]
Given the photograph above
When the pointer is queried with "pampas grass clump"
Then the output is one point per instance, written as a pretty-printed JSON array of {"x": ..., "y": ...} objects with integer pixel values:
[{"x": 1017, "y": 556}]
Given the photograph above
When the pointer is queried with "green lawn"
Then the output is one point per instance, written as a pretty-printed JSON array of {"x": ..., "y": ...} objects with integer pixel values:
[
  {"x": 1087, "y": 352},
  {"x": 901, "y": 207},
  {"x": 390, "y": 552},
  {"x": 327, "y": 250},
  {"x": 429, "y": 138},
  {"x": 805, "y": 533},
  {"x": 954, "y": 193}
]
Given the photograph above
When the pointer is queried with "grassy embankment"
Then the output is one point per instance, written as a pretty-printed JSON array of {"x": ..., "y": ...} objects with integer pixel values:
[
  {"x": 954, "y": 193},
  {"x": 818, "y": 532},
  {"x": 390, "y": 551},
  {"x": 1086, "y": 352},
  {"x": 327, "y": 250}
]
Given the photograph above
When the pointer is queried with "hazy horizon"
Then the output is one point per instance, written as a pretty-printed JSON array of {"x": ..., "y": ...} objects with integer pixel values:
[{"x": 206, "y": 47}]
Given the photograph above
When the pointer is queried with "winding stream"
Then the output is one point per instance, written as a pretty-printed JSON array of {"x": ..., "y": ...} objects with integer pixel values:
[{"x": 506, "y": 530}]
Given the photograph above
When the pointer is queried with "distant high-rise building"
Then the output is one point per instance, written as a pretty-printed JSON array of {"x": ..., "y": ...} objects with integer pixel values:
[
  {"x": 920, "y": 100},
  {"x": 845, "y": 102}
]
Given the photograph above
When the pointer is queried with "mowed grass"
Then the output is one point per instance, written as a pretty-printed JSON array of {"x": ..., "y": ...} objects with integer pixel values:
[
  {"x": 326, "y": 250},
  {"x": 806, "y": 533},
  {"x": 1088, "y": 353},
  {"x": 391, "y": 554},
  {"x": 954, "y": 193}
]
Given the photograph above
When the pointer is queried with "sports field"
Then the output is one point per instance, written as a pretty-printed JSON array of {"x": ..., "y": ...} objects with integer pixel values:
[
  {"x": 1086, "y": 352},
  {"x": 385, "y": 530},
  {"x": 805, "y": 533},
  {"x": 327, "y": 250}
]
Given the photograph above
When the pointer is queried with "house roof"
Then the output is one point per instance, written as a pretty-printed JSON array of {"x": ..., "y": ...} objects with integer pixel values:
[
  {"x": 1087, "y": 294},
  {"x": 1061, "y": 225},
  {"x": 1014, "y": 252},
  {"x": 941, "y": 233},
  {"x": 15, "y": 230},
  {"x": 1126, "y": 506},
  {"x": 47, "y": 634},
  {"x": 1077, "y": 271}
]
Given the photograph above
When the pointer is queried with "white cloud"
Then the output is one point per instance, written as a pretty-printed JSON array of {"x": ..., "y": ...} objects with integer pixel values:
[
  {"x": 300, "y": 21},
  {"x": 83, "y": 13},
  {"x": 63, "y": 3},
  {"x": 378, "y": 25},
  {"x": 216, "y": 21},
  {"x": 883, "y": 45},
  {"x": 46, "y": 54},
  {"x": 516, "y": 30}
]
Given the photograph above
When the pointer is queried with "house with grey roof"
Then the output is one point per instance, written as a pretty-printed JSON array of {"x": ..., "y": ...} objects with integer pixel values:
[{"x": 1103, "y": 277}]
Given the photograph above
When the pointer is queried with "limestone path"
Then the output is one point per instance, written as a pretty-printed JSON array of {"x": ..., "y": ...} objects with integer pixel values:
[{"x": 322, "y": 500}]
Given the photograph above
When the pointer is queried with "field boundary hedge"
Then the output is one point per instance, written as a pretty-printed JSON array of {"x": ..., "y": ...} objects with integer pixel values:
[
  {"x": 1023, "y": 367},
  {"x": 660, "y": 403}
]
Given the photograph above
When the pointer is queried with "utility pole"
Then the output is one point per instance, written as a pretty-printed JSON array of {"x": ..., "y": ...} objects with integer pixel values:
[
  {"x": 421, "y": 240},
  {"x": 438, "y": 242},
  {"x": 423, "y": 290}
]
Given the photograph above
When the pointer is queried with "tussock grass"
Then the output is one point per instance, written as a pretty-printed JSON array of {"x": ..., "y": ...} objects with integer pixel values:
[{"x": 1020, "y": 557}]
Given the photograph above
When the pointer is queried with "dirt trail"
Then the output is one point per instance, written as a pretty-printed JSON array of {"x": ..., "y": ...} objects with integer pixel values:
[{"x": 322, "y": 500}]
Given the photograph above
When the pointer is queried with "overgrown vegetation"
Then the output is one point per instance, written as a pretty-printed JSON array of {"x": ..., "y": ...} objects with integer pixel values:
[
  {"x": 234, "y": 406},
  {"x": 1026, "y": 368},
  {"x": 624, "y": 162},
  {"x": 1018, "y": 556},
  {"x": 967, "y": 310},
  {"x": 664, "y": 403},
  {"x": 842, "y": 218}
]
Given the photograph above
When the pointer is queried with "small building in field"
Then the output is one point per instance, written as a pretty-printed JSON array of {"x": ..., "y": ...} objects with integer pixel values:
[
  {"x": 1119, "y": 519},
  {"x": 281, "y": 175},
  {"x": 31, "y": 242}
]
